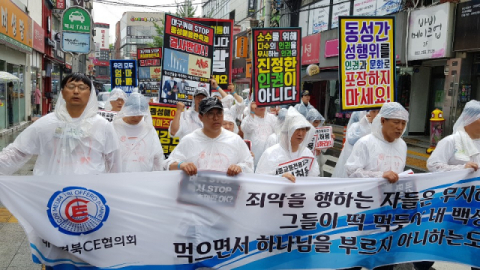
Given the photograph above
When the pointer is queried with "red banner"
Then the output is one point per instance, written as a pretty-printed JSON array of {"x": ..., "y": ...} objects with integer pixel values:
[
  {"x": 38, "y": 38},
  {"x": 311, "y": 49}
]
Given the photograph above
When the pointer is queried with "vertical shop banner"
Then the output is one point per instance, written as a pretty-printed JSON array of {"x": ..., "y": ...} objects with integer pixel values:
[
  {"x": 149, "y": 70},
  {"x": 467, "y": 22},
  {"x": 187, "y": 59},
  {"x": 311, "y": 49},
  {"x": 162, "y": 115},
  {"x": 367, "y": 61},
  {"x": 223, "y": 49},
  {"x": 277, "y": 63},
  {"x": 124, "y": 74}
]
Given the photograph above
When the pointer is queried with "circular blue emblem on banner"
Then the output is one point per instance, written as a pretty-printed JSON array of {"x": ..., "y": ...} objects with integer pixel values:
[{"x": 77, "y": 210}]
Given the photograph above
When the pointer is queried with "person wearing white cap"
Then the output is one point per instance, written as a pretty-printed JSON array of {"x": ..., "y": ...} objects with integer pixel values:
[
  {"x": 359, "y": 125},
  {"x": 211, "y": 147},
  {"x": 382, "y": 153},
  {"x": 296, "y": 133},
  {"x": 461, "y": 149},
  {"x": 115, "y": 100},
  {"x": 184, "y": 123},
  {"x": 140, "y": 148}
]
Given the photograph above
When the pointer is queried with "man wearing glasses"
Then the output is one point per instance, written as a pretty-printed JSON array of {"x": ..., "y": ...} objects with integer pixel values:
[
  {"x": 211, "y": 147},
  {"x": 71, "y": 140}
]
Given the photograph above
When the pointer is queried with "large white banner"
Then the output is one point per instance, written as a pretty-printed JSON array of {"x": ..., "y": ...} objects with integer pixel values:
[{"x": 166, "y": 220}]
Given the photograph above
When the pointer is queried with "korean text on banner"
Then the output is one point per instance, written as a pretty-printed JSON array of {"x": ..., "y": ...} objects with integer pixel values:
[
  {"x": 107, "y": 114},
  {"x": 277, "y": 64},
  {"x": 16, "y": 27},
  {"x": 187, "y": 59},
  {"x": 162, "y": 115},
  {"x": 219, "y": 222},
  {"x": 367, "y": 61},
  {"x": 223, "y": 45},
  {"x": 124, "y": 74},
  {"x": 149, "y": 70}
]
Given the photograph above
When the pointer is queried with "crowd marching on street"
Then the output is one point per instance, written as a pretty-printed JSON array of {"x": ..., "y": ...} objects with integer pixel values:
[{"x": 74, "y": 139}]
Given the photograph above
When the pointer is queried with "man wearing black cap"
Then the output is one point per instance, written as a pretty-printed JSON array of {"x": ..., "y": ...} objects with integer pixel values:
[
  {"x": 211, "y": 147},
  {"x": 184, "y": 123},
  {"x": 304, "y": 106}
]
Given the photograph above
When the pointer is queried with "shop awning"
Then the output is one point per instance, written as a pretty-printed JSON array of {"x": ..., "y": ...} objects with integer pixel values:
[{"x": 322, "y": 76}]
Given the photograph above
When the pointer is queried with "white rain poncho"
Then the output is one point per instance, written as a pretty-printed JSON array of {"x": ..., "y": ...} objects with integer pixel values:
[
  {"x": 189, "y": 120},
  {"x": 302, "y": 109},
  {"x": 372, "y": 155},
  {"x": 273, "y": 138},
  {"x": 65, "y": 145},
  {"x": 257, "y": 130},
  {"x": 314, "y": 115},
  {"x": 140, "y": 148},
  {"x": 115, "y": 94},
  {"x": 213, "y": 154},
  {"x": 454, "y": 151},
  {"x": 281, "y": 153},
  {"x": 358, "y": 126},
  {"x": 230, "y": 116}
]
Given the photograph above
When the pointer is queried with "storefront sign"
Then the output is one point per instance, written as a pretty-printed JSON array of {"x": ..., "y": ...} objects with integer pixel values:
[
  {"x": 16, "y": 27},
  {"x": 252, "y": 7},
  {"x": 124, "y": 74},
  {"x": 162, "y": 115},
  {"x": 75, "y": 42},
  {"x": 187, "y": 59},
  {"x": 222, "y": 57},
  {"x": 467, "y": 24},
  {"x": 364, "y": 7},
  {"x": 342, "y": 9},
  {"x": 311, "y": 49},
  {"x": 430, "y": 33},
  {"x": 38, "y": 38},
  {"x": 276, "y": 65},
  {"x": 319, "y": 15},
  {"x": 367, "y": 62},
  {"x": 76, "y": 19},
  {"x": 60, "y": 4},
  {"x": 239, "y": 68},
  {"x": 242, "y": 47},
  {"x": 149, "y": 69},
  {"x": 331, "y": 48}
]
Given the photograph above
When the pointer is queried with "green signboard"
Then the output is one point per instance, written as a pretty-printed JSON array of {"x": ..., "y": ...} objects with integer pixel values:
[{"x": 76, "y": 19}]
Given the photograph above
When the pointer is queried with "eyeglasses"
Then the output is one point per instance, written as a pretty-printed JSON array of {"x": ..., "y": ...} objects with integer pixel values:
[
  {"x": 211, "y": 115},
  {"x": 81, "y": 87}
]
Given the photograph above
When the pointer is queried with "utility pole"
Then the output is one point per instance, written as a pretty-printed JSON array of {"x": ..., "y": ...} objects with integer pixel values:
[{"x": 268, "y": 11}]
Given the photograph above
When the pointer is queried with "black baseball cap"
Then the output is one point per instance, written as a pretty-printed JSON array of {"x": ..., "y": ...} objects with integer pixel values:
[
  {"x": 209, "y": 103},
  {"x": 305, "y": 93}
]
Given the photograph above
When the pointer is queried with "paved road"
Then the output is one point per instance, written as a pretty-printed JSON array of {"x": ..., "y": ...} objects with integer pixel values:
[{"x": 15, "y": 252}]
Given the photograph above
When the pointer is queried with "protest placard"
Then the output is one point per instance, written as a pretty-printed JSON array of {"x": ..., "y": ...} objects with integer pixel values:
[
  {"x": 187, "y": 59},
  {"x": 124, "y": 74},
  {"x": 276, "y": 65},
  {"x": 162, "y": 115},
  {"x": 323, "y": 138},
  {"x": 367, "y": 61},
  {"x": 149, "y": 70}
]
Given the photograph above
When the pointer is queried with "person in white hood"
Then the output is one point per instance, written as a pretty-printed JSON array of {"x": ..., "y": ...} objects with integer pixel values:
[
  {"x": 273, "y": 138},
  {"x": 317, "y": 120},
  {"x": 461, "y": 149},
  {"x": 211, "y": 147},
  {"x": 184, "y": 123},
  {"x": 359, "y": 125},
  {"x": 291, "y": 158},
  {"x": 116, "y": 100},
  {"x": 382, "y": 153},
  {"x": 71, "y": 140},
  {"x": 256, "y": 127},
  {"x": 140, "y": 148}
]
